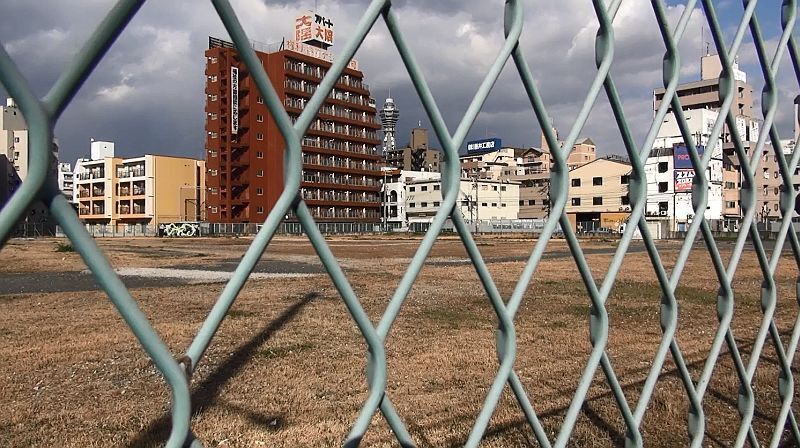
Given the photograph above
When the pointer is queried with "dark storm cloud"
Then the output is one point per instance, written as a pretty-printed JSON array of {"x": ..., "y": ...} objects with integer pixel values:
[{"x": 147, "y": 95}]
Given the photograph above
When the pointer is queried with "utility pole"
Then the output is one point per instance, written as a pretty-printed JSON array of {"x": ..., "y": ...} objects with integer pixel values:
[{"x": 475, "y": 184}]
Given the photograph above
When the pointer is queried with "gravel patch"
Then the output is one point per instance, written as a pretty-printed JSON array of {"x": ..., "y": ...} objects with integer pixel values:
[{"x": 195, "y": 276}]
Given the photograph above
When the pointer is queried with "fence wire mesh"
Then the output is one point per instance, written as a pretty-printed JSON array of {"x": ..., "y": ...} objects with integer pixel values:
[{"x": 42, "y": 114}]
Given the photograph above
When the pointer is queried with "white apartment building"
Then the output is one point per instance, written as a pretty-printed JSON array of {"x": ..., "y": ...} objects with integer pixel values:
[{"x": 478, "y": 200}]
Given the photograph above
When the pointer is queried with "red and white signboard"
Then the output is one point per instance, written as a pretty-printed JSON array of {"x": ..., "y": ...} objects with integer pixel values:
[
  {"x": 311, "y": 27},
  {"x": 683, "y": 180}
]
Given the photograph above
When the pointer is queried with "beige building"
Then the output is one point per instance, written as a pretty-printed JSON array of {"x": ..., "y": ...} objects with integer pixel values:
[
  {"x": 492, "y": 165},
  {"x": 478, "y": 200},
  {"x": 146, "y": 190},
  {"x": 598, "y": 195}
]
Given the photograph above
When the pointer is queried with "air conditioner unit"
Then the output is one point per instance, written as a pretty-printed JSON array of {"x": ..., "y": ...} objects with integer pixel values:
[{"x": 662, "y": 213}]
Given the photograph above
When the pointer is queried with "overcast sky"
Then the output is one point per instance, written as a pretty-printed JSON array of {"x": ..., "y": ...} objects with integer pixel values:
[{"x": 147, "y": 95}]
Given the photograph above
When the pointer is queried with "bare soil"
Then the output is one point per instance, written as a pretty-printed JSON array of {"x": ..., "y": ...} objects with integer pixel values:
[{"x": 286, "y": 368}]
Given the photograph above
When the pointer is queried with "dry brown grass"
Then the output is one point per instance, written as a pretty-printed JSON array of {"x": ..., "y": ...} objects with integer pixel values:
[{"x": 287, "y": 366}]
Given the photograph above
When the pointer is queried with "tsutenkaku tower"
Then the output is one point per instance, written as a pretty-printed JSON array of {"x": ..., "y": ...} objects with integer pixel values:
[{"x": 389, "y": 115}]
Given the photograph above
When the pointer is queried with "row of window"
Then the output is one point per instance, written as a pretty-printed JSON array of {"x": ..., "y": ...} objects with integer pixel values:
[
  {"x": 335, "y": 128},
  {"x": 343, "y": 162},
  {"x": 436, "y": 187},
  {"x": 598, "y": 200},
  {"x": 320, "y": 72},
  {"x": 623, "y": 180}
]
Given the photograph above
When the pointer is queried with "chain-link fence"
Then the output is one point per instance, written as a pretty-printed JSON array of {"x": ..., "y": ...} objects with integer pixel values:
[{"x": 42, "y": 115}]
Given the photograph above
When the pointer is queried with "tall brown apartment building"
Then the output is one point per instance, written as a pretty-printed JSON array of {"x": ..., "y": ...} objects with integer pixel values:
[{"x": 244, "y": 149}]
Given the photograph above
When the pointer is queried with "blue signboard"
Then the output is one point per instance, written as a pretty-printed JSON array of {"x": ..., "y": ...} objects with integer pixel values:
[
  {"x": 484, "y": 146},
  {"x": 681, "y": 158}
]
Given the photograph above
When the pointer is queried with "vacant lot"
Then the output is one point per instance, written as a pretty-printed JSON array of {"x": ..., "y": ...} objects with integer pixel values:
[{"x": 287, "y": 366}]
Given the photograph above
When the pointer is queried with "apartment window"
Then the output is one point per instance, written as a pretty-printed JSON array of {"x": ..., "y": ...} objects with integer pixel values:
[
  {"x": 411, "y": 205},
  {"x": 663, "y": 187},
  {"x": 503, "y": 188},
  {"x": 214, "y": 209},
  {"x": 212, "y": 115},
  {"x": 423, "y": 188},
  {"x": 259, "y": 136},
  {"x": 465, "y": 203},
  {"x": 412, "y": 188},
  {"x": 663, "y": 207},
  {"x": 436, "y": 187},
  {"x": 214, "y": 134},
  {"x": 212, "y": 97},
  {"x": 766, "y": 190},
  {"x": 730, "y": 204},
  {"x": 494, "y": 187},
  {"x": 16, "y": 154},
  {"x": 531, "y": 201},
  {"x": 625, "y": 200},
  {"x": 260, "y": 191},
  {"x": 576, "y": 201},
  {"x": 214, "y": 172},
  {"x": 423, "y": 204},
  {"x": 436, "y": 204},
  {"x": 260, "y": 173},
  {"x": 663, "y": 167},
  {"x": 259, "y": 118},
  {"x": 776, "y": 207},
  {"x": 576, "y": 182},
  {"x": 776, "y": 191},
  {"x": 597, "y": 200},
  {"x": 494, "y": 204},
  {"x": 766, "y": 173},
  {"x": 212, "y": 78},
  {"x": 624, "y": 179},
  {"x": 213, "y": 59},
  {"x": 502, "y": 204},
  {"x": 16, "y": 139},
  {"x": 259, "y": 154},
  {"x": 597, "y": 181},
  {"x": 260, "y": 210},
  {"x": 214, "y": 190},
  {"x": 775, "y": 174},
  {"x": 521, "y": 202},
  {"x": 260, "y": 100}
]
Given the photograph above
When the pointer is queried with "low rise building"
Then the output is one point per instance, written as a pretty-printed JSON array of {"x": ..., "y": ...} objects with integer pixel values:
[
  {"x": 395, "y": 193},
  {"x": 478, "y": 200},
  {"x": 598, "y": 195}
]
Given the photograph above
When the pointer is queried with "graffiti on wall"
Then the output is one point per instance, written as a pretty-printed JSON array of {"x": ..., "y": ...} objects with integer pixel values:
[{"x": 179, "y": 229}]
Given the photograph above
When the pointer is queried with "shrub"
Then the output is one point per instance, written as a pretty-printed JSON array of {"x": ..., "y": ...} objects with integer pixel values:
[{"x": 64, "y": 247}]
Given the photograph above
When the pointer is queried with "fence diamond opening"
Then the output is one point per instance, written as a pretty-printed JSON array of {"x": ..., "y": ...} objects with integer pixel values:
[{"x": 42, "y": 115}]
